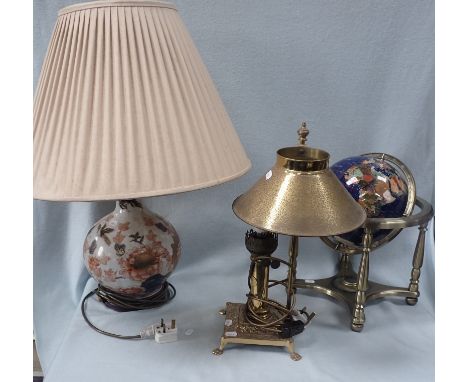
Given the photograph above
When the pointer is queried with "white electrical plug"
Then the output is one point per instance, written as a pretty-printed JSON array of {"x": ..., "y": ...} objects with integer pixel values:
[
  {"x": 161, "y": 333},
  {"x": 166, "y": 333}
]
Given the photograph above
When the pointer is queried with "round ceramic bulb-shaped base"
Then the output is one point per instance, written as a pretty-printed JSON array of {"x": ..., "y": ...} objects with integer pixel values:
[{"x": 131, "y": 251}]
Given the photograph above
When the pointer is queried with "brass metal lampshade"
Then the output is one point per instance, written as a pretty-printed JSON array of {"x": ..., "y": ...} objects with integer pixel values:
[{"x": 300, "y": 196}]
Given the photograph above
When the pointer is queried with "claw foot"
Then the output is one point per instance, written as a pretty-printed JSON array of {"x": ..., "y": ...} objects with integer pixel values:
[
  {"x": 356, "y": 327},
  {"x": 295, "y": 356}
]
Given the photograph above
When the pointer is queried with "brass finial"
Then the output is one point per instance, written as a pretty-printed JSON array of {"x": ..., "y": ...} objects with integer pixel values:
[{"x": 303, "y": 132}]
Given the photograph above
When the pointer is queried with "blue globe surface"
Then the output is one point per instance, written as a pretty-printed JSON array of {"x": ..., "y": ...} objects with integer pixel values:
[{"x": 377, "y": 186}]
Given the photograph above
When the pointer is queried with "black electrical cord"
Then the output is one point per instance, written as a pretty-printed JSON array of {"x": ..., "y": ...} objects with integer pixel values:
[{"x": 123, "y": 303}]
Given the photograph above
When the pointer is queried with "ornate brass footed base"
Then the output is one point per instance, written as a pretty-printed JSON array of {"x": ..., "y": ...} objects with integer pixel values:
[
  {"x": 237, "y": 330},
  {"x": 333, "y": 287}
]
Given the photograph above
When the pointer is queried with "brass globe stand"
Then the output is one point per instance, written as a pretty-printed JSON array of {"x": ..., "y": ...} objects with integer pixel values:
[{"x": 355, "y": 289}]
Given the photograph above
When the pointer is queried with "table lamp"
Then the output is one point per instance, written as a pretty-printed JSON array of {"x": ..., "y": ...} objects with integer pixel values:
[
  {"x": 298, "y": 196},
  {"x": 125, "y": 109}
]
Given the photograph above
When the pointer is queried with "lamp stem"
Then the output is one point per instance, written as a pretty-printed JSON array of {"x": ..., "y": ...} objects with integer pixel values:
[
  {"x": 293, "y": 252},
  {"x": 259, "y": 285}
]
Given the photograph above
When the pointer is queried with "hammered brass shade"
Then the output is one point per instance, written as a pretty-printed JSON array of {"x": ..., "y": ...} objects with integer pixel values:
[
  {"x": 125, "y": 108},
  {"x": 300, "y": 196}
]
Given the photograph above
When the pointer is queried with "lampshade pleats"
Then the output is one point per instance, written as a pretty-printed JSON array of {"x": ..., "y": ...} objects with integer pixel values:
[{"x": 126, "y": 108}]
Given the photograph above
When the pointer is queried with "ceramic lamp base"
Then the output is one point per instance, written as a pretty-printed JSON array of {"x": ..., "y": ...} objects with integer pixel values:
[{"x": 130, "y": 253}]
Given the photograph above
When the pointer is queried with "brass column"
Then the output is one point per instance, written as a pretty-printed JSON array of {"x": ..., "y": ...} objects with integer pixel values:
[
  {"x": 259, "y": 285},
  {"x": 261, "y": 245},
  {"x": 293, "y": 251}
]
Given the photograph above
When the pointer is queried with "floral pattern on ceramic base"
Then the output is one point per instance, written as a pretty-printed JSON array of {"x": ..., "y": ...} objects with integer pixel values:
[{"x": 131, "y": 251}]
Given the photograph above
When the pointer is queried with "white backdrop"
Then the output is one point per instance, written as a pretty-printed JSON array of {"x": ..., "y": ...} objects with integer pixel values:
[{"x": 362, "y": 74}]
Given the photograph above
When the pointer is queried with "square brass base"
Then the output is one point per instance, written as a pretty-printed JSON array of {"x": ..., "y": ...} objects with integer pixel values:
[{"x": 237, "y": 330}]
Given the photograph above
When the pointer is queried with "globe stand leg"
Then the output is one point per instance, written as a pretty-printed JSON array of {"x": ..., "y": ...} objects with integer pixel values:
[
  {"x": 363, "y": 278},
  {"x": 346, "y": 279},
  {"x": 345, "y": 267},
  {"x": 418, "y": 258}
]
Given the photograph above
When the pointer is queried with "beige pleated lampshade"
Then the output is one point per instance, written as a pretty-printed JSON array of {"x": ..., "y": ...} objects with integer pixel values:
[{"x": 125, "y": 108}]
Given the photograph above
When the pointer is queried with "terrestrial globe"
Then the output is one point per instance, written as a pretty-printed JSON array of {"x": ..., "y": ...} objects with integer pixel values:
[{"x": 382, "y": 185}]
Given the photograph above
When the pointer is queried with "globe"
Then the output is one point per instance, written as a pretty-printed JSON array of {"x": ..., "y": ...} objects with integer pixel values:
[{"x": 378, "y": 185}]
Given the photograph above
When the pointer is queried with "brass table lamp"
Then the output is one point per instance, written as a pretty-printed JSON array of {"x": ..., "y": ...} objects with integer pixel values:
[{"x": 299, "y": 196}]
